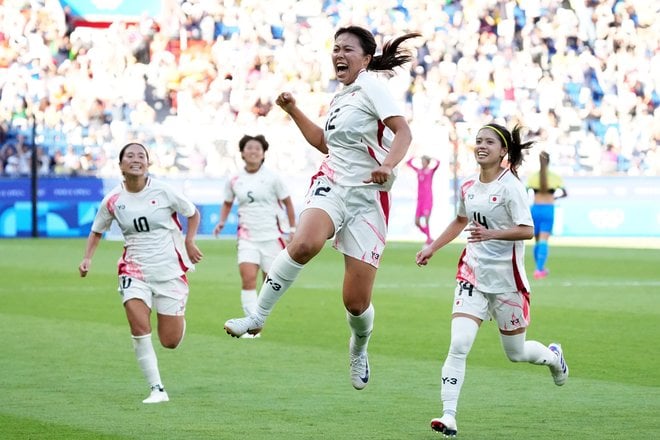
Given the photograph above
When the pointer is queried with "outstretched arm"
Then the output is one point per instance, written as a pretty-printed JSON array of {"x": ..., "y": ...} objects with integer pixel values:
[
  {"x": 450, "y": 233},
  {"x": 313, "y": 133}
]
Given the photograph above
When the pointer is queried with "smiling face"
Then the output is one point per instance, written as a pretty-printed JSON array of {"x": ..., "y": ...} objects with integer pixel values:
[
  {"x": 253, "y": 154},
  {"x": 489, "y": 149},
  {"x": 134, "y": 161},
  {"x": 348, "y": 58}
]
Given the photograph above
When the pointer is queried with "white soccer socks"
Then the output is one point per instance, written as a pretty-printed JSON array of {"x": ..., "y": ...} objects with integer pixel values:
[
  {"x": 281, "y": 275},
  {"x": 517, "y": 349},
  {"x": 249, "y": 301},
  {"x": 146, "y": 357},
  {"x": 463, "y": 333},
  {"x": 361, "y": 327}
]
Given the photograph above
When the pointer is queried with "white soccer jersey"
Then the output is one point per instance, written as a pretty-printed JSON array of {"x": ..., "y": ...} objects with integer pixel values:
[
  {"x": 258, "y": 196},
  {"x": 154, "y": 248},
  {"x": 355, "y": 134},
  {"x": 495, "y": 266}
]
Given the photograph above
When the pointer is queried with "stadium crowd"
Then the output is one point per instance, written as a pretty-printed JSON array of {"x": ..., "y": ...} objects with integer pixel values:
[{"x": 582, "y": 75}]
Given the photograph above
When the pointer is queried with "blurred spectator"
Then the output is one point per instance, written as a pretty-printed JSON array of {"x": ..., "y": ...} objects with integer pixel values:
[{"x": 581, "y": 74}]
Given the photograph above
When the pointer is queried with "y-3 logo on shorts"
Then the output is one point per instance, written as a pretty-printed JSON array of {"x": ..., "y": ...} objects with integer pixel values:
[{"x": 449, "y": 380}]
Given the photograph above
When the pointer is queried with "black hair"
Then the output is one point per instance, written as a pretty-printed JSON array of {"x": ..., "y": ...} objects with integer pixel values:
[
  {"x": 247, "y": 138},
  {"x": 392, "y": 56},
  {"x": 123, "y": 150},
  {"x": 512, "y": 143}
]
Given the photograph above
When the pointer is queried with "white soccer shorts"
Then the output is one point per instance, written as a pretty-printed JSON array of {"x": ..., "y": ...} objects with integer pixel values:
[
  {"x": 165, "y": 297},
  {"x": 510, "y": 310},
  {"x": 261, "y": 253},
  {"x": 359, "y": 215}
]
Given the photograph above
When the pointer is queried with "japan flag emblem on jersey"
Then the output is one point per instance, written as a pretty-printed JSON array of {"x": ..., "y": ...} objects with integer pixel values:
[
  {"x": 494, "y": 198},
  {"x": 153, "y": 202}
]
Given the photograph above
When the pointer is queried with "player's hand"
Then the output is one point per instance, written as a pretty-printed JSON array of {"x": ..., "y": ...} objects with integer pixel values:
[
  {"x": 194, "y": 253},
  {"x": 477, "y": 233},
  {"x": 84, "y": 267},
  {"x": 286, "y": 101},
  {"x": 424, "y": 256},
  {"x": 380, "y": 175},
  {"x": 218, "y": 228}
]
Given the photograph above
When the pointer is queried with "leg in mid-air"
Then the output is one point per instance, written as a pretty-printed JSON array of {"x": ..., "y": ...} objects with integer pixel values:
[
  {"x": 314, "y": 228},
  {"x": 358, "y": 285},
  {"x": 511, "y": 311},
  {"x": 518, "y": 349}
]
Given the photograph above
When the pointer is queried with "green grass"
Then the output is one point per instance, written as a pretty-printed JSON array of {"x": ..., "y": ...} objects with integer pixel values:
[{"x": 67, "y": 369}]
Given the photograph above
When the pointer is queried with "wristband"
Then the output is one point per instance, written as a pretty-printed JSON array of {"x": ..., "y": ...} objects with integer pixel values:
[{"x": 292, "y": 230}]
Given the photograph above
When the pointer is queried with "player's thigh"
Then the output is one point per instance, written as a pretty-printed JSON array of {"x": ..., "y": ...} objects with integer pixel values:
[
  {"x": 510, "y": 310},
  {"x": 137, "y": 298},
  {"x": 171, "y": 296},
  {"x": 328, "y": 197}
]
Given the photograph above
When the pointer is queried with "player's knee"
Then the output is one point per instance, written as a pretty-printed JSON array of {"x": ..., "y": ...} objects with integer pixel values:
[
  {"x": 170, "y": 343},
  {"x": 460, "y": 345},
  {"x": 303, "y": 251}
]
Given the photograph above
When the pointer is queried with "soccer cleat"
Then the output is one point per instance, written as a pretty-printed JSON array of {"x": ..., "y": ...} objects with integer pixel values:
[
  {"x": 240, "y": 326},
  {"x": 250, "y": 336},
  {"x": 445, "y": 425},
  {"x": 559, "y": 373},
  {"x": 540, "y": 274},
  {"x": 157, "y": 395},
  {"x": 359, "y": 370}
]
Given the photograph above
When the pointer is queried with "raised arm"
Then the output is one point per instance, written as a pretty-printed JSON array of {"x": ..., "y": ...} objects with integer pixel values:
[{"x": 313, "y": 133}]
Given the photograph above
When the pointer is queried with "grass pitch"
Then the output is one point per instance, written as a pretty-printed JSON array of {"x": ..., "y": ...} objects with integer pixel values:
[{"x": 68, "y": 369}]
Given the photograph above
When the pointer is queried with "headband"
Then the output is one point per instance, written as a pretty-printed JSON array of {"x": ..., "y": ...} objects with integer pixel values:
[{"x": 506, "y": 144}]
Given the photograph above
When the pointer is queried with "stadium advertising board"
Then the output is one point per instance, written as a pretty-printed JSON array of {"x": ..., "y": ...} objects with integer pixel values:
[{"x": 595, "y": 207}]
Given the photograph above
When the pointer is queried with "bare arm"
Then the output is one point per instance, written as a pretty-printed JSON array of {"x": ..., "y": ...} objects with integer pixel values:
[
  {"x": 452, "y": 231},
  {"x": 290, "y": 212},
  {"x": 225, "y": 209},
  {"x": 194, "y": 253},
  {"x": 93, "y": 240},
  {"x": 313, "y": 133},
  {"x": 398, "y": 150},
  {"x": 480, "y": 233}
]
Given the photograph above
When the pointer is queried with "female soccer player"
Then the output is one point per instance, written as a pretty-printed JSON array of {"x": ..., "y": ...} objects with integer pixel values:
[
  {"x": 260, "y": 194},
  {"x": 365, "y": 136},
  {"x": 152, "y": 268},
  {"x": 491, "y": 280},
  {"x": 425, "y": 175}
]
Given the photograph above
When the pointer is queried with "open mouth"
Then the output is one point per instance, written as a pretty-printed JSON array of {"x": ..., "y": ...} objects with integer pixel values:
[{"x": 341, "y": 67}]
